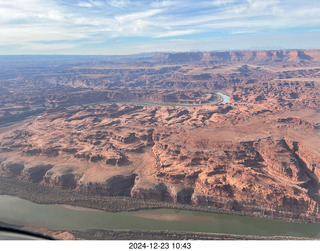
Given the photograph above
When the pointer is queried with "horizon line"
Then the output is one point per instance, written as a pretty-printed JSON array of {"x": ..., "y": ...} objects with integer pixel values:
[{"x": 169, "y": 52}]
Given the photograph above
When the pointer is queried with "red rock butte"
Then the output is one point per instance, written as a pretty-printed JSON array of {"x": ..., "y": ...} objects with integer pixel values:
[{"x": 156, "y": 128}]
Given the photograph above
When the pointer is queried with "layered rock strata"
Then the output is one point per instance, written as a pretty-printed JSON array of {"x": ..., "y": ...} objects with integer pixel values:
[
  {"x": 258, "y": 153},
  {"x": 174, "y": 155}
]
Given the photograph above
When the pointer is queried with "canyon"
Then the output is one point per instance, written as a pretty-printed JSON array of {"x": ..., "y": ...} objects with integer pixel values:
[{"x": 155, "y": 128}]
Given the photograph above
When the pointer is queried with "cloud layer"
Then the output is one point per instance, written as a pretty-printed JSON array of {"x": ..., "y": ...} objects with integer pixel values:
[{"x": 124, "y": 26}]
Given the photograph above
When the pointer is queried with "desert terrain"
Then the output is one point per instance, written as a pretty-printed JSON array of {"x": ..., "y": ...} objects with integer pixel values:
[{"x": 154, "y": 128}]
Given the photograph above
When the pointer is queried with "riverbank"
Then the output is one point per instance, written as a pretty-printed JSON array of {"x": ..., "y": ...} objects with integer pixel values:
[
  {"x": 47, "y": 195},
  {"x": 125, "y": 234},
  {"x": 102, "y": 234},
  {"x": 48, "y": 217}
]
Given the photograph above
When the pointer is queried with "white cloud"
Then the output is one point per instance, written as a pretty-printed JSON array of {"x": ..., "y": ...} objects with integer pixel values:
[
  {"x": 85, "y": 4},
  {"x": 97, "y": 3},
  {"x": 176, "y": 33},
  {"x": 54, "y": 15},
  {"x": 119, "y": 3},
  {"x": 25, "y": 34},
  {"x": 25, "y": 21},
  {"x": 165, "y": 3},
  {"x": 47, "y": 47},
  {"x": 137, "y": 15},
  {"x": 31, "y": 9},
  {"x": 222, "y": 2}
]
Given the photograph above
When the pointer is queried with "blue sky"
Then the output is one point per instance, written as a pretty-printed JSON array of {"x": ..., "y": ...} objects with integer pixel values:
[{"x": 129, "y": 27}]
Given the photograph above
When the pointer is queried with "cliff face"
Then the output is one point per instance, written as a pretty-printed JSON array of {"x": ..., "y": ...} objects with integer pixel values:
[
  {"x": 257, "y": 153},
  {"x": 241, "y": 56},
  {"x": 174, "y": 155}
]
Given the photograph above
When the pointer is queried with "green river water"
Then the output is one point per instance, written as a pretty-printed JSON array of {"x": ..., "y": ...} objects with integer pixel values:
[{"x": 14, "y": 210}]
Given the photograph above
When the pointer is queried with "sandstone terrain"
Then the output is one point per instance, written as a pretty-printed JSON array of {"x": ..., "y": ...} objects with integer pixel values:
[{"x": 155, "y": 128}]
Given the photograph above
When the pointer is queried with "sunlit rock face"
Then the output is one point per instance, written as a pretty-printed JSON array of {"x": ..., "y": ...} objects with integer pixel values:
[{"x": 160, "y": 131}]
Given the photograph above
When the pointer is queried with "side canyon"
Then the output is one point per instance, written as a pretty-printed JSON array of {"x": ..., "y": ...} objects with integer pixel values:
[{"x": 155, "y": 128}]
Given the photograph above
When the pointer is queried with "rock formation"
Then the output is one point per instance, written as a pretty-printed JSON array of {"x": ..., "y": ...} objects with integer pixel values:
[{"x": 173, "y": 139}]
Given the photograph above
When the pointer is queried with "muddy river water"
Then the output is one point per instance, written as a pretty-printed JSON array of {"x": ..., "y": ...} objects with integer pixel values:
[{"x": 14, "y": 210}]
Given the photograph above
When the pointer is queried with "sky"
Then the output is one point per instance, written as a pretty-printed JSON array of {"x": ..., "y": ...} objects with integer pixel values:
[{"x": 111, "y": 27}]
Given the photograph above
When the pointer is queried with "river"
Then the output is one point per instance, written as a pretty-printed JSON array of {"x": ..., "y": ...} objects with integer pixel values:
[
  {"x": 14, "y": 210},
  {"x": 225, "y": 98}
]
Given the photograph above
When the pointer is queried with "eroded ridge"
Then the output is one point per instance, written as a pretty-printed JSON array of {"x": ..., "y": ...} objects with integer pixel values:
[
  {"x": 171, "y": 154},
  {"x": 258, "y": 153}
]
